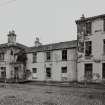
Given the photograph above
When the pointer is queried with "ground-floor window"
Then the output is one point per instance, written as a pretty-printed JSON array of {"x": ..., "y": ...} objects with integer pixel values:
[
  {"x": 64, "y": 70},
  {"x": 3, "y": 72},
  {"x": 88, "y": 71},
  {"x": 103, "y": 70},
  {"x": 48, "y": 72},
  {"x": 34, "y": 70}
]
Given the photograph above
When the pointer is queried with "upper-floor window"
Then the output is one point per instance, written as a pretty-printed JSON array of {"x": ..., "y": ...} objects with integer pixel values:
[
  {"x": 104, "y": 46},
  {"x": 2, "y": 56},
  {"x": 88, "y": 28},
  {"x": 104, "y": 25},
  {"x": 64, "y": 54},
  {"x": 34, "y": 57},
  {"x": 48, "y": 56},
  {"x": 88, "y": 48}
]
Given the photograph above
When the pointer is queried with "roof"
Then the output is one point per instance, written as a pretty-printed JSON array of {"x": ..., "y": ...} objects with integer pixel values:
[
  {"x": 90, "y": 18},
  {"x": 54, "y": 46},
  {"x": 6, "y": 45}
]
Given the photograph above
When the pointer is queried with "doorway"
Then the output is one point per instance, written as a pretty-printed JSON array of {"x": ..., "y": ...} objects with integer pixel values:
[{"x": 88, "y": 71}]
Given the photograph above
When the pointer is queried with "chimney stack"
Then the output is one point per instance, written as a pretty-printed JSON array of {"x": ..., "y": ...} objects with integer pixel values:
[
  {"x": 82, "y": 17},
  {"x": 12, "y": 37},
  {"x": 37, "y": 42}
]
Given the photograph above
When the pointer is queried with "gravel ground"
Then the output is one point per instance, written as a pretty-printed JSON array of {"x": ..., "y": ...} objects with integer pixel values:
[{"x": 19, "y": 94}]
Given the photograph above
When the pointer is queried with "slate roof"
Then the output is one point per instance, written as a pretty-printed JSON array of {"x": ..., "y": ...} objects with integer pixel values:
[
  {"x": 90, "y": 18},
  {"x": 54, "y": 46}
]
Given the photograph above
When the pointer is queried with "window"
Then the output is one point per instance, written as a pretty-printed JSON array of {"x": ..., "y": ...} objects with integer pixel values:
[
  {"x": 64, "y": 54},
  {"x": 48, "y": 72},
  {"x": 1, "y": 56},
  {"x": 34, "y": 70},
  {"x": 34, "y": 57},
  {"x": 64, "y": 70},
  {"x": 3, "y": 68},
  {"x": 104, "y": 46},
  {"x": 48, "y": 56},
  {"x": 88, "y": 28},
  {"x": 88, "y": 71},
  {"x": 11, "y": 53},
  {"x": 104, "y": 25},
  {"x": 3, "y": 72},
  {"x": 88, "y": 48}
]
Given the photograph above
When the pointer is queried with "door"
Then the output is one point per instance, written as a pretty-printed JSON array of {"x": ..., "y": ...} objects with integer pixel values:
[
  {"x": 16, "y": 74},
  {"x": 103, "y": 71},
  {"x": 88, "y": 71}
]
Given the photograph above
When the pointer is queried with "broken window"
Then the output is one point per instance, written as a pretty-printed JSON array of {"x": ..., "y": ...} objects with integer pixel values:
[
  {"x": 88, "y": 28},
  {"x": 88, "y": 48}
]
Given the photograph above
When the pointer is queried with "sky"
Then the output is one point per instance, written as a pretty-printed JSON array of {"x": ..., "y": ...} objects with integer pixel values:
[{"x": 51, "y": 20}]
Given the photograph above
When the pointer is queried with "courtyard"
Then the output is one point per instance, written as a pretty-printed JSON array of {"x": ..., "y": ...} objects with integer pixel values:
[{"x": 24, "y": 94}]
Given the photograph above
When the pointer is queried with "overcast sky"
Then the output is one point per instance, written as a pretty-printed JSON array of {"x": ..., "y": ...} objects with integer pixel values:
[{"x": 50, "y": 20}]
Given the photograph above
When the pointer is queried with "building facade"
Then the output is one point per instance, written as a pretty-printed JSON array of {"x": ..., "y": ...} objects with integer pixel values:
[
  {"x": 10, "y": 67},
  {"x": 53, "y": 62},
  {"x": 79, "y": 60},
  {"x": 91, "y": 48}
]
